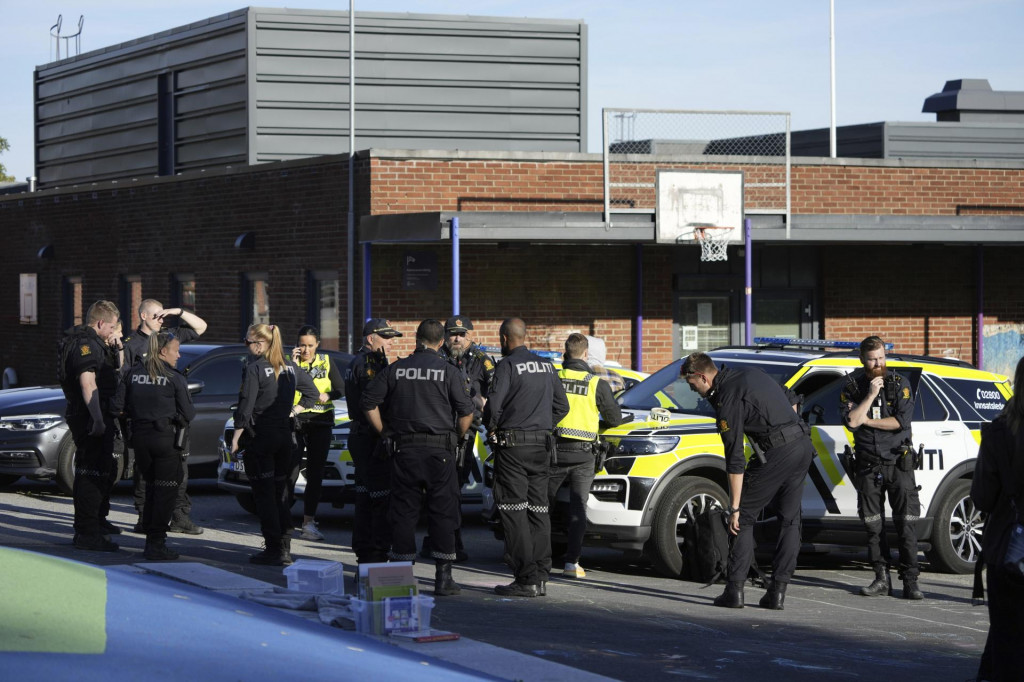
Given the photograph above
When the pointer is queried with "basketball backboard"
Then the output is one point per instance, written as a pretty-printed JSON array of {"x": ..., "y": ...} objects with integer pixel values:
[{"x": 689, "y": 199}]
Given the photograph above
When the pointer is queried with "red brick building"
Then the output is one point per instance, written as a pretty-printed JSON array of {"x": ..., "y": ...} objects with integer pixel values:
[{"x": 921, "y": 252}]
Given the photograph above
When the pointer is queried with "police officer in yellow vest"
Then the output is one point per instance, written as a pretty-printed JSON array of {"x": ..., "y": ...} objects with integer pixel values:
[
  {"x": 315, "y": 424},
  {"x": 591, "y": 406}
]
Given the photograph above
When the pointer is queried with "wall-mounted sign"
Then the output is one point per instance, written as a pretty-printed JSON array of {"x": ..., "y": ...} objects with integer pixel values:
[
  {"x": 419, "y": 270},
  {"x": 29, "y": 299}
]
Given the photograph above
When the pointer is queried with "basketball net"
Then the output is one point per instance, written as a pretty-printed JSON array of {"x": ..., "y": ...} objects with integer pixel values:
[{"x": 714, "y": 242}]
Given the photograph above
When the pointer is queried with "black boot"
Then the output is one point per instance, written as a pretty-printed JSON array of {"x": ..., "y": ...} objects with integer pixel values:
[
  {"x": 286, "y": 551},
  {"x": 157, "y": 550},
  {"x": 138, "y": 527},
  {"x": 272, "y": 554},
  {"x": 181, "y": 523},
  {"x": 911, "y": 590},
  {"x": 444, "y": 584},
  {"x": 732, "y": 598},
  {"x": 775, "y": 597},
  {"x": 882, "y": 584}
]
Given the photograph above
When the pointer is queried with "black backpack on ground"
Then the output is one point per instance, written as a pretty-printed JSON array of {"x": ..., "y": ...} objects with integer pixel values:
[{"x": 707, "y": 541}]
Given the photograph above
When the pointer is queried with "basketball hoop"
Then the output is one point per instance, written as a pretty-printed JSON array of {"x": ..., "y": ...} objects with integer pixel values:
[{"x": 714, "y": 242}]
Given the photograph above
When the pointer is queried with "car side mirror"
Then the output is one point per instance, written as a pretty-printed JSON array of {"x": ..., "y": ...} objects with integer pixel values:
[{"x": 196, "y": 386}]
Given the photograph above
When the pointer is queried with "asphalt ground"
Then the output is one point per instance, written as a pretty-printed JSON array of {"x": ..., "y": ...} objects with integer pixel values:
[{"x": 623, "y": 621}]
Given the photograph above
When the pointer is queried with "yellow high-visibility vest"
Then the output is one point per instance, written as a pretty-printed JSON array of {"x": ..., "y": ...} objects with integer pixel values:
[
  {"x": 320, "y": 371},
  {"x": 582, "y": 421}
]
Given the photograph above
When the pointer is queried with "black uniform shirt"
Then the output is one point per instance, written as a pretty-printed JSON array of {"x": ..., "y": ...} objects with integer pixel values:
[
  {"x": 420, "y": 394},
  {"x": 894, "y": 400},
  {"x": 268, "y": 400},
  {"x": 526, "y": 394},
  {"x": 89, "y": 354},
  {"x": 476, "y": 366},
  {"x": 364, "y": 367},
  {"x": 748, "y": 401},
  {"x": 159, "y": 400},
  {"x": 136, "y": 346}
]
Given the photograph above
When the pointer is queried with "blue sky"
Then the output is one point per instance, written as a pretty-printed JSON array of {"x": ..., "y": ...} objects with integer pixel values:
[{"x": 667, "y": 54}]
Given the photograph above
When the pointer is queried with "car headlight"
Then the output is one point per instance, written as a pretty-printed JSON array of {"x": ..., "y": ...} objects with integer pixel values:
[
  {"x": 646, "y": 445},
  {"x": 30, "y": 422}
]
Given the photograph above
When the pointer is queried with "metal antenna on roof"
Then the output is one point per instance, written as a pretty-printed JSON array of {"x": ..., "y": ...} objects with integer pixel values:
[
  {"x": 55, "y": 34},
  {"x": 77, "y": 36}
]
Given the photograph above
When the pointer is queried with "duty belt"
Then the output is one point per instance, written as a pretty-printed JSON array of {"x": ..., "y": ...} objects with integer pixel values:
[
  {"x": 445, "y": 441},
  {"x": 779, "y": 437},
  {"x": 514, "y": 437},
  {"x": 569, "y": 445}
]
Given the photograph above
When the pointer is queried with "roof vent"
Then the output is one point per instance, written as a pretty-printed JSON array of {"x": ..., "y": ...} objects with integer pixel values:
[{"x": 973, "y": 99}]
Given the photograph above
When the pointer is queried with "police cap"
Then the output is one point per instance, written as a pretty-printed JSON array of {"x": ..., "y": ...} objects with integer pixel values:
[
  {"x": 380, "y": 327},
  {"x": 458, "y": 324}
]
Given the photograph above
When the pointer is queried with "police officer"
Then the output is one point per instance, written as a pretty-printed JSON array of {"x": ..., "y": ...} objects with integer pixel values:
[
  {"x": 155, "y": 396},
  {"x": 89, "y": 377},
  {"x": 590, "y": 403},
  {"x": 152, "y": 316},
  {"x": 426, "y": 411},
  {"x": 266, "y": 407},
  {"x": 525, "y": 402},
  {"x": 476, "y": 368},
  {"x": 371, "y": 533},
  {"x": 315, "y": 425},
  {"x": 877, "y": 407},
  {"x": 748, "y": 401}
]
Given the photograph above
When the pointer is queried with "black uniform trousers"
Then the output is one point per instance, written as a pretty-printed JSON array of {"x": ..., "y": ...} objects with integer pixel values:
[
  {"x": 521, "y": 496},
  {"x": 94, "y": 470},
  {"x": 268, "y": 458},
  {"x": 581, "y": 477},
  {"x": 873, "y": 483},
  {"x": 779, "y": 482},
  {"x": 1003, "y": 658},
  {"x": 371, "y": 532},
  {"x": 418, "y": 474},
  {"x": 159, "y": 464},
  {"x": 182, "y": 502},
  {"x": 315, "y": 439}
]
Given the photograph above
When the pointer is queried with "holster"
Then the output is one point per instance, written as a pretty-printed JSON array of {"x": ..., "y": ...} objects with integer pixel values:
[
  {"x": 601, "y": 450},
  {"x": 905, "y": 456}
]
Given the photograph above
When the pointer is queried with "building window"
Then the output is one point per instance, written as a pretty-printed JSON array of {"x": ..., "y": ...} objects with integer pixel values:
[
  {"x": 323, "y": 293},
  {"x": 130, "y": 300},
  {"x": 72, "y": 302},
  {"x": 183, "y": 292},
  {"x": 256, "y": 306}
]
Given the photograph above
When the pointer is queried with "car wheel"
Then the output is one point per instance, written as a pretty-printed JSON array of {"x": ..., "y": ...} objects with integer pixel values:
[
  {"x": 682, "y": 501},
  {"x": 8, "y": 479},
  {"x": 956, "y": 538},
  {"x": 246, "y": 502},
  {"x": 66, "y": 464}
]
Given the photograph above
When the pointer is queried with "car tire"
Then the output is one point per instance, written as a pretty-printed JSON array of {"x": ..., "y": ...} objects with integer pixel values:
[
  {"x": 8, "y": 479},
  {"x": 66, "y": 463},
  {"x": 956, "y": 534},
  {"x": 682, "y": 500}
]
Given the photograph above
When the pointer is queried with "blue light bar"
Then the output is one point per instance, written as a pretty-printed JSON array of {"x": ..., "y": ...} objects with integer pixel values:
[
  {"x": 810, "y": 343},
  {"x": 549, "y": 354}
]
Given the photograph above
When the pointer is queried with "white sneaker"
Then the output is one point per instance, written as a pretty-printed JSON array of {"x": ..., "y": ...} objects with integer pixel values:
[
  {"x": 311, "y": 532},
  {"x": 573, "y": 571}
]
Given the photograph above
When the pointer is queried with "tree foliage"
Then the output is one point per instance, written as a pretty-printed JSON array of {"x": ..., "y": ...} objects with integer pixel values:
[{"x": 4, "y": 146}]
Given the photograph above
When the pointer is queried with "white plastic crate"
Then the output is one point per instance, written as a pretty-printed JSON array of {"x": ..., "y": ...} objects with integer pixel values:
[{"x": 316, "y": 576}]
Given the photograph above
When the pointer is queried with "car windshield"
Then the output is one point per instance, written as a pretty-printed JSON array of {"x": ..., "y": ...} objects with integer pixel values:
[
  {"x": 665, "y": 388},
  {"x": 189, "y": 355}
]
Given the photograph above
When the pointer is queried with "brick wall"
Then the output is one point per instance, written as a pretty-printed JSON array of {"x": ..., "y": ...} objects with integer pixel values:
[{"x": 921, "y": 298}]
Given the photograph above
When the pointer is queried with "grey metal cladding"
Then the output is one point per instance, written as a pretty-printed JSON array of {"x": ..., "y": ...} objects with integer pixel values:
[
  {"x": 97, "y": 114},
  {"x": 422, "y": 82},
  {"x": 963, "y": 140},
  {"x": 270, "y": 84}
]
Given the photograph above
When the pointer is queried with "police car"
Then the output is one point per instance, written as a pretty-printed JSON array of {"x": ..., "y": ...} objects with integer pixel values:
[{"x": 668, "y": 464}]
